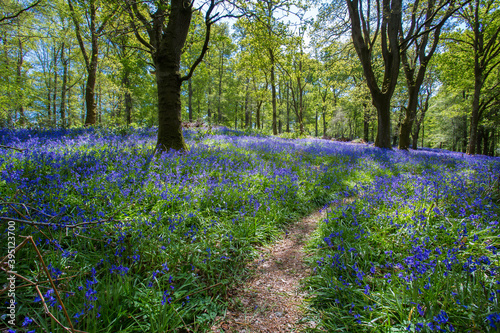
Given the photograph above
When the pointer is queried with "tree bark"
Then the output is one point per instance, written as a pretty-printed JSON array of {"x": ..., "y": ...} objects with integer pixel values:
[
  {"x": 383, "y": 106},
  {"x": 167, "y": 60}
]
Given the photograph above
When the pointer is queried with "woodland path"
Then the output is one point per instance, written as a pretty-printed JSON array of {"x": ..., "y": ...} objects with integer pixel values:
[{"x": 271, "y": 299}]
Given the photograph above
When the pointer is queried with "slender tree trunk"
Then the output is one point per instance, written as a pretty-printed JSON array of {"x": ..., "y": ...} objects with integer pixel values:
[
  {"x": 366, "y": 123},
  {"x": 236, "y": 117},
  {"x": 221, "y": 68},
  {"x": 486, "y": 138},
  {"x": 20, "y": 60},
  {"x": 190, "y": 100},
  {"x": 127, "y": 98},
  {"x": 49, "y": 101},
  {"x": 287, "y": 108},
  {"x": 90, "y": 62},
  {"x": 54, "y": 96},
  {"x": 478, "y": 84},
  {"x": 248, "y": 116},
  {"x": 209, "y": 106},
  {"x": 409, "y": 118},
  {"x": 493, "y": 140},
  {"x": 273, "y": 92},
  {"x": 316, "y": 122},
  {"x": 90, "y": 103},
  {"x": 62, "y": 107},
  {"x": 258, "y": 123}
]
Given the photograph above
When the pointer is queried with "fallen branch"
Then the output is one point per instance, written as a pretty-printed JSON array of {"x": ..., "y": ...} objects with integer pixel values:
[
  {"x": 45, "y": 224},
  {"x": 13, "y": 148}
]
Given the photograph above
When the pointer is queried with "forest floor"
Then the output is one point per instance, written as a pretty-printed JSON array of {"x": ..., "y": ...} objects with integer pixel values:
[{"x": 271, "y": 299}]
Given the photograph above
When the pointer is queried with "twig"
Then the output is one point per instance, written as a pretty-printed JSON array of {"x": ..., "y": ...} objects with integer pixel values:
[
  {"x": 51, "y": 282},
  {"x": 197, "y": 291},
  {"x": 25, "y": 207},
  {"x": 47, "y": 311},
  {"x": 13, "y": 148},
  {"x": 52, "y": 224}
]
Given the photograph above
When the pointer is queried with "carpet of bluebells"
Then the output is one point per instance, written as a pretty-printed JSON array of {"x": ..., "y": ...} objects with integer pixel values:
[
  {"x": 138, "y": 242},
  {"x": 144, "y": 242},
  {"x": 413, "y": 250}
]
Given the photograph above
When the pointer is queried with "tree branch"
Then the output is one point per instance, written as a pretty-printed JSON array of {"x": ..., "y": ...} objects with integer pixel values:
[
  {"x": 208, "y": 24},
  {"x": 10, "y": 17},
  {"x": 79, "y": 35},
  {"x": 13, "y": 148}
]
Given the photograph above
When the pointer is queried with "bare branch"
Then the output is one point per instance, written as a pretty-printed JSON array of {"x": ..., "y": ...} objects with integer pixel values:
[
  {"x": 13, "y": 148},
  {"x": 208, "y": 24},
  {"x": 13, "y": 16}
]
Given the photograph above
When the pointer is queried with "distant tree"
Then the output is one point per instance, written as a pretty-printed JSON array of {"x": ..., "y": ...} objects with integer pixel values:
[
  {"x": 424, "y": 21},
  {"x": 483, "y": 19},
  {"x": 97, "y": 19}
]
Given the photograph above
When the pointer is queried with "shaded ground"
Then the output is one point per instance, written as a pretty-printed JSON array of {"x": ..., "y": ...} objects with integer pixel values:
[{"x": 271, "y": 300}]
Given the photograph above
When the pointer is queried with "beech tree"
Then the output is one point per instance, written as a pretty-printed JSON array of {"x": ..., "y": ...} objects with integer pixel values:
[
  {"x": 425, "y": 21},
  {"x": 365, "y": 30},
  {"x": 98, "y": 18},
  {"x": 167, "y": 25},
  {"x": 483, "y": 39}
]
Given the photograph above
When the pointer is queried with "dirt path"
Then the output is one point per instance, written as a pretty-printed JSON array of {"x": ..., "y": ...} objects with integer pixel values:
[{"x": 270, "y": 301}]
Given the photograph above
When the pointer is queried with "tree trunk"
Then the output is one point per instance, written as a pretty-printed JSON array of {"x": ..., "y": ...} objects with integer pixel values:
[
  {"x": 236, "y": 117},
  {"x": 169, "y": 108},
  {"x": 190, "y": 100},
  {"x": 90, "y": 103},
  {"x": 259, "y": 104},
  {"x": 389, "y": 12},
  {"x": 478, "y": 84},
  {"x": 287, "y": 108},
  {"x": 383, "y": 105},
  {"x": 54, "y": 96},
  {"x": 410, "y": 113},
  {"x": 49, "y": 101},
  {"x": 366, "y": 123},
  {"x": 248, "y": 116},
  {"x": 20, "y": 60},
  {"x": 486, "y": 141},
  {"x": 316, "y": 121},
  {"x": 62, "y": 107},
  {"x": 273, "y": 92},
  {"x": 209, "y": 106},
  {"x": 221, "y": 67},
  {"x": 493, "y": 139},
  {"x": 127, "y": 97},
  {"x": 167, "y": 60}
]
